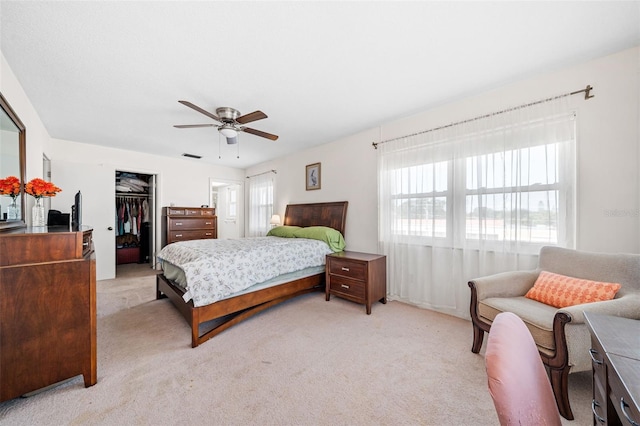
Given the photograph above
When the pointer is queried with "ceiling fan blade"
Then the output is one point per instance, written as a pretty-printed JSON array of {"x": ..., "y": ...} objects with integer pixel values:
[
  {"x": 259, "y": 133},
  {"x": 189, "y": 126},
  {"x": 253, "y": 116},
  {"x": 200, "y": 110}
]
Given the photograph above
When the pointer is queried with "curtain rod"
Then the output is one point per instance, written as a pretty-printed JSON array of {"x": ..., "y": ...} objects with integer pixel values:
[
  {"x": 263, "y": 173},
  {"x": 587, "y": 95}
]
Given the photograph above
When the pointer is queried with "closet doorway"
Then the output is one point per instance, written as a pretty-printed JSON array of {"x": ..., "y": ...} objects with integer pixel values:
[{"x": 135, "y": 220}]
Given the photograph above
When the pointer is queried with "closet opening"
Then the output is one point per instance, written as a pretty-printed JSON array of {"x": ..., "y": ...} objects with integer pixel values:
[{"x": 134, "y": 221}]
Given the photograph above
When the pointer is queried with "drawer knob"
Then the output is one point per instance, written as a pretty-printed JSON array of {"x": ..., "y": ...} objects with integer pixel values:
[
  {"x": 207, "y": 234},
  {"x": 594, "y": 405},
  {"x": 85, "y": 244},
  {"x": 178, "y": 223},
  {"x": 592, "y": 353},
  {"x": 623, "y": 407},
  {"x": 208, "y": 223},
  {"x": 345, "y": 269},
  {"x": 344, "y": 286},
  {"x": 178, "y": 235}
]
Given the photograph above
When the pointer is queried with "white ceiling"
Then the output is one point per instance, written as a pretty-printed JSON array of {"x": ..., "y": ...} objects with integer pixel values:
[{"x": 111, "y": 72}]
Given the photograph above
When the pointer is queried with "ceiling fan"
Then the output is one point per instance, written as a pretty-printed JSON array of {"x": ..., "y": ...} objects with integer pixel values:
[{"x": 231, "y": 122}]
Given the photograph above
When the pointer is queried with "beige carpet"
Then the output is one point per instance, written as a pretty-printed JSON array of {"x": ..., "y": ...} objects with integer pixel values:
[{"x": 305, "y": 362}]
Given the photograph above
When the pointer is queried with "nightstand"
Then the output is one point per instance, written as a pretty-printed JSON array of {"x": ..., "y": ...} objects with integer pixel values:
[{"x": 359, "y": 277}]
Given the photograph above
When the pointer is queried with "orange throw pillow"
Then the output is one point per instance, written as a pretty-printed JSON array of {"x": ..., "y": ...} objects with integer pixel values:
[{"x": 562, "y": 291}]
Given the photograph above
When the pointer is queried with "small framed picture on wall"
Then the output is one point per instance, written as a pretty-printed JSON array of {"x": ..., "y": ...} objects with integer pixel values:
[{"x": 313, "y": 176}]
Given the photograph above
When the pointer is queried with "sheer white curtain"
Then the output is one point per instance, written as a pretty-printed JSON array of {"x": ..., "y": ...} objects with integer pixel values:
[
  {"x": 260, "y": 204},
  {"x": 475, "y": 199}
]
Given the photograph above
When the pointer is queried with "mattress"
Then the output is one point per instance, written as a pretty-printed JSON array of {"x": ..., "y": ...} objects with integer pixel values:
[{"x": 176, "y": 275}]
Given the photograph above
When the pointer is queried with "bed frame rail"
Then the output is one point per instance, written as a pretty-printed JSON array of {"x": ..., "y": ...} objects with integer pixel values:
[{"x": 231, "y": 311}]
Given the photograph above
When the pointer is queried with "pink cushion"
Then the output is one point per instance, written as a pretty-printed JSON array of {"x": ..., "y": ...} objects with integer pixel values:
[{"x": 518, "y": 382}]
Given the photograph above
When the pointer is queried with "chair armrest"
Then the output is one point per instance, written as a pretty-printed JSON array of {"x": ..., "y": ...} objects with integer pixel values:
[
  {"x": 505, "y": 284},
  {"x": 627, "y": 306}
]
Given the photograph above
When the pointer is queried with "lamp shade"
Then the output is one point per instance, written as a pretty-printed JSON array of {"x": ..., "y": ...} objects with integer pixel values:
[{"x": 275, "y": 219}]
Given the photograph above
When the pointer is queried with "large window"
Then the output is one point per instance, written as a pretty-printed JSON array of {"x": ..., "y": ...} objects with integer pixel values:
[
  {"x": 512, "y": 195},
  {"x": 474, "y": 199}
]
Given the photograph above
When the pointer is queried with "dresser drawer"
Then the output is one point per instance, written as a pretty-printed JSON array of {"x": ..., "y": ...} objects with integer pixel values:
[
  {"x": 600, "y": 404},
  {"x": 199, "y": 212},
  {"x": 347, "y": 268},
  {"x": 623, "y": 374},
  {"x": 176, "y": 224},
  {"x": 86, "y": 242},
  {"x": 174, "y": 236},
  {"x": 175, "y": 211},
  {"x": 348, "y": 287}
]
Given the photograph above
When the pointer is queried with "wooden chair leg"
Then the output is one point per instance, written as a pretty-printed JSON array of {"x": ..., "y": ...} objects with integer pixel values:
[
  {"x": 478, "y": 336},
  {"x": 560, "y": 384}
]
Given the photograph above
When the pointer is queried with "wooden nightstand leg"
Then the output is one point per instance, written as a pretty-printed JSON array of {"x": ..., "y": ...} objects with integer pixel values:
[
  {"x": 327, "y": 296},
  {"x": 368, "y": 308}
]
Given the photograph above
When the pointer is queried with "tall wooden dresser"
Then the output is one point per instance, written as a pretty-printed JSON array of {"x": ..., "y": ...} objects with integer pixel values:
[
  {"x": 189, "y": 223},
  {"x": 47, "y": 308}
]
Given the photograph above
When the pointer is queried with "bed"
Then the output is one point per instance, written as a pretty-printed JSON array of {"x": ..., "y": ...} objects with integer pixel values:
[{"x": 212, "y": 319}]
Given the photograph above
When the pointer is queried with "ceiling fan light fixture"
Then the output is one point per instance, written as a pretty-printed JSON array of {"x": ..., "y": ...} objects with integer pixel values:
[{"x": 228, "y": 131}]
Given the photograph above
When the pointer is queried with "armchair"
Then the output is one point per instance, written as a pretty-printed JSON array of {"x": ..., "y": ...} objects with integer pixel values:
[{"x": 561, "y": 335}]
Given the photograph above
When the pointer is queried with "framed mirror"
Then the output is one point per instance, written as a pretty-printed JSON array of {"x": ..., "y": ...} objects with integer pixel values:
[{"x": 13, "y": 159}]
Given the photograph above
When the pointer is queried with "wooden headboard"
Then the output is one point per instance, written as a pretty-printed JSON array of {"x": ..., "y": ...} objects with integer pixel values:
[{"x": 333, "y": 215}]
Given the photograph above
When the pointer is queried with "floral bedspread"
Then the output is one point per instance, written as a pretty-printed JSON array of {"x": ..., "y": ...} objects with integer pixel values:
[{"x": 215, "y": 269}]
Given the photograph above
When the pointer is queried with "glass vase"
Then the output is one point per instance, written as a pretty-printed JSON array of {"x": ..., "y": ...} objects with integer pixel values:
[
  {"x": 12, "y": 210},
  {"x": 37, "y": 214}
]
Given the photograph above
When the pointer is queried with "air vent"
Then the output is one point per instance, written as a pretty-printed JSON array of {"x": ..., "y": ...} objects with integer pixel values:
[{"x": 192, "y": 156}]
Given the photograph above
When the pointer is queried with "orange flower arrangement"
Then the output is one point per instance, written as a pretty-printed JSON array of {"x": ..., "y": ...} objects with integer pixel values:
[
  {"x": 40, "y": 188},
  {"x": 10, "y": 186}
]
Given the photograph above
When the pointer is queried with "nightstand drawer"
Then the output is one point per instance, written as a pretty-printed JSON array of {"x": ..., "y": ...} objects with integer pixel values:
[
  {"x": 347, "y": 286},
  {"x": 347, "y": 268}
]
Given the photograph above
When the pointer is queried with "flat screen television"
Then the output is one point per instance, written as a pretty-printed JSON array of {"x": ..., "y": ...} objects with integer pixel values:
[{"x": 76, "y": 212}]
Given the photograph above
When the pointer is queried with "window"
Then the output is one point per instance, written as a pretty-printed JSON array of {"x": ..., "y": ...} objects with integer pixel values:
[
  {"x": 260, "y": 204},
  {"x": 420, "y": 198},
  {"x": 474, "y": 199},
  {"x": 511, "y": 184},
  {"x": 514, "y": 195}
]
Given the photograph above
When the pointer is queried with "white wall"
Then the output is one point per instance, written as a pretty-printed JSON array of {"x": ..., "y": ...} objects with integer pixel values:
[
  {"x": 607, "y": 165},
  {"x": 182, "y": 182},
  {"x": 38, "y": 140}
]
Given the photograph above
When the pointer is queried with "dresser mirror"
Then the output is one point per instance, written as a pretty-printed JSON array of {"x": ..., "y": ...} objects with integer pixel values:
[{"x": 12, "y": 163}]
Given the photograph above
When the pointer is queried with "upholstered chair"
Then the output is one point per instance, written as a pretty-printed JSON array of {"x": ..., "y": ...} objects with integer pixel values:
[
  {"x": 560, "y": 334},
  {"x": 517, "y": 380}
]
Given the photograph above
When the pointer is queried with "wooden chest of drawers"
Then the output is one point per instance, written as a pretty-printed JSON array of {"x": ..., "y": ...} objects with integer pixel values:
[
  {"x": 359, "y": 277},
  {"x": 47, "y": 309},
  {"x": 189, "y": 223}
]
